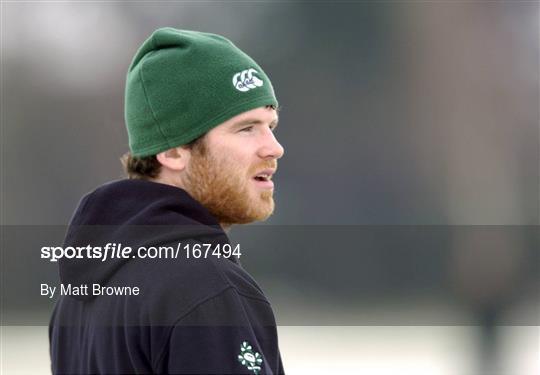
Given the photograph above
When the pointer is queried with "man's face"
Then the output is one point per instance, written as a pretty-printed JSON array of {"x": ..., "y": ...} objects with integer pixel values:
[{"x": 230, "y": 172}]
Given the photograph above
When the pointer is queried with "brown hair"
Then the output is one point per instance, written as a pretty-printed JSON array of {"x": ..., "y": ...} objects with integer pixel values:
[{"x": 148, "y": 167}]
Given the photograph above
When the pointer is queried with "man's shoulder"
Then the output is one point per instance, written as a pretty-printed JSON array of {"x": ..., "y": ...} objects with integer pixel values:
[
  {"x": 172, "y": 288},
  {"x": 236, "y": 276}
]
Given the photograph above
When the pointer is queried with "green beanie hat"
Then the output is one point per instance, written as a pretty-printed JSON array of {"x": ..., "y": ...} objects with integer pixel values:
[{"x": 183, "y": 83}]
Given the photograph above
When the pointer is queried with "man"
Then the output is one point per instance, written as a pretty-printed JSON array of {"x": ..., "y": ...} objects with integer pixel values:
[{"x": 200, "y": 116}]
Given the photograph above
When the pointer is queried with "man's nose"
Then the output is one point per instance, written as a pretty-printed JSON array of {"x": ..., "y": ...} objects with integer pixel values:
[{"x": 270, "y": 147}]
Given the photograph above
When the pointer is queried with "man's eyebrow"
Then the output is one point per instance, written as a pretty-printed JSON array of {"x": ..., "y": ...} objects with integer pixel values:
[{"x": 274, "y": 123}]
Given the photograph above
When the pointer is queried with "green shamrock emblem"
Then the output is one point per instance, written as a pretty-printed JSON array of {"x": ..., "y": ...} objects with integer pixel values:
[{"x": 252, "y": 360}]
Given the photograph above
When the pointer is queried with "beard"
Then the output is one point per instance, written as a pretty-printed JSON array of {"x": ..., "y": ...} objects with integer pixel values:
[{"x": 224, "y": 189}]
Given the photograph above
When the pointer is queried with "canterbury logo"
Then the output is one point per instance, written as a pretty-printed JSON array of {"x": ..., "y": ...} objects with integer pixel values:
[{"x": 245, "y": 80}]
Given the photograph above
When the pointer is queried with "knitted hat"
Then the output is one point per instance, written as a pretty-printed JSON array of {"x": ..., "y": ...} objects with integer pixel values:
[{"x": 183, "y": 83}]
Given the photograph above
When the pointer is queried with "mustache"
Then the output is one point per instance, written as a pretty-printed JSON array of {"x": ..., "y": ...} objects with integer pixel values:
[{"x": 270, "y": 164}]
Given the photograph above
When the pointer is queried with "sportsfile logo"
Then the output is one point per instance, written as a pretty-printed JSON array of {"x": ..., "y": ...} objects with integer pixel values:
[{"x": 245, "y": 80}]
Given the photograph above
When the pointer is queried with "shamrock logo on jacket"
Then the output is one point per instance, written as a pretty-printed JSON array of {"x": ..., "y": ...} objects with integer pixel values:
[{"x": 247, "y": 357}]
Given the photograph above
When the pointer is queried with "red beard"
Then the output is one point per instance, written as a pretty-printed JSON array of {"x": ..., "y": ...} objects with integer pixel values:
[{"x": 225, "y": 191}]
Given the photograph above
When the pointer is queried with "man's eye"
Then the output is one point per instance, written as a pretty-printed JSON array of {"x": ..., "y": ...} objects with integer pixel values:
[{"x": 247, "y": 129}]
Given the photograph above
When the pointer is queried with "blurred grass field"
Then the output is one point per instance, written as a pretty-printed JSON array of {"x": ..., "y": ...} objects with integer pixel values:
[{"x": 327, "y": 350}]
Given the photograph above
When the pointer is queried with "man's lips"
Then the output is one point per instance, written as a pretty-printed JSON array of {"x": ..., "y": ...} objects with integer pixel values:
[{"x": 263, "y": 178}]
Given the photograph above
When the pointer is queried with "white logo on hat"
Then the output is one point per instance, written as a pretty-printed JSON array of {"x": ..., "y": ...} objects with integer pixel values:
[{"x": 245, "y": 80}]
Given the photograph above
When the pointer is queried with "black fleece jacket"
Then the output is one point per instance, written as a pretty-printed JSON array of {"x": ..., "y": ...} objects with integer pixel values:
[{"x": 191, "y": 316}]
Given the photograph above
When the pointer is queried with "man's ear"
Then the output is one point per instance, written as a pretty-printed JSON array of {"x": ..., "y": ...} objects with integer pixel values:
[{"x": 175, "y": 159}]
